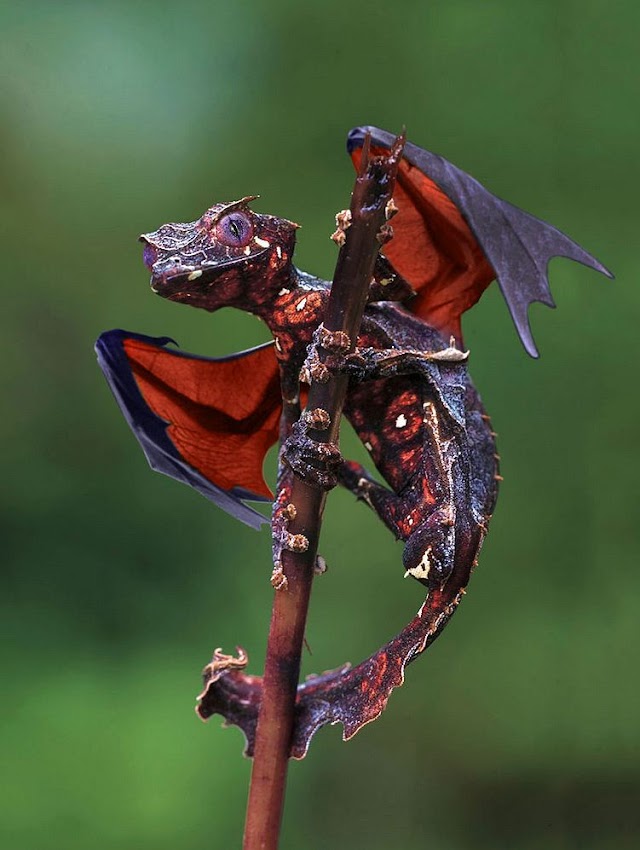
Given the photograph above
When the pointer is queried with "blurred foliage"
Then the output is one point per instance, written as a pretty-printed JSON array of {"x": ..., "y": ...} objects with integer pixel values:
[{"x": 519, "y": 728}]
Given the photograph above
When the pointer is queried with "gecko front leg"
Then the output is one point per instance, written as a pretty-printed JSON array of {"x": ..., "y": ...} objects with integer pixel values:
[
  {"x": 372, "y": 363},
  {"x": 365, "y": 364}
]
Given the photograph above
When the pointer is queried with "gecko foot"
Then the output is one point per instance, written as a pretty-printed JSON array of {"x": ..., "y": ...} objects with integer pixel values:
[
  {"x": 335, "y": 345},
  {"x": 282, "y": 539},
  {"x": 317, "y": 463}
]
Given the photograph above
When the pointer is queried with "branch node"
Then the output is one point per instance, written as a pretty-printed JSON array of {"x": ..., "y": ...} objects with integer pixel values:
[
  {"x": 295, "y": 542},
  {"x": 278, "y": 579},
  {"x": 343, "y": 222},
  {"x": 317, "y": 419}
]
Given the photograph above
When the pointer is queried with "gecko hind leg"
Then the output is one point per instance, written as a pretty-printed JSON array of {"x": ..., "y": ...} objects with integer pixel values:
[
  {"x": 429, "y": 544},
  {"x": 383, "y": 502}
]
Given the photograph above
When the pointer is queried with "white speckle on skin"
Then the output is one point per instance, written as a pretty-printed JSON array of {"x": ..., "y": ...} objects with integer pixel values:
[
  {"x": 195, "y": 274},
  {"x": 410, "y": 520},
  {"x": 301, "y": 305},
  {"x": 262, "y": 242},
  {"x": 428, "y": 412},
  {"x": 284, "y": 291},
  {"x": 401, "y": 421},
  {"x": 279, "y": 252},
  {"x": 368, "y": 446}
]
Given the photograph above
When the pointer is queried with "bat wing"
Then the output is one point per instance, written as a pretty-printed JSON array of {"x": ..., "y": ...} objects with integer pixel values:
[
  {"x": 206, "y": 422},
  {"x": 452, "y": 237}
]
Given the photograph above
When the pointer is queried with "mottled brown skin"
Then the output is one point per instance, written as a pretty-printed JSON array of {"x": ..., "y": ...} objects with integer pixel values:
[{"x": 411, "y": 403}]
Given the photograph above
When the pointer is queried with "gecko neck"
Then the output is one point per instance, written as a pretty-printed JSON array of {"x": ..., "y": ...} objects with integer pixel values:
[{"x": 266, "y": 299}]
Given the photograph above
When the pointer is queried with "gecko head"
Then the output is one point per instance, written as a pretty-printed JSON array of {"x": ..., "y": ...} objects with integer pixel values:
[{"x": 228, "y": 257}]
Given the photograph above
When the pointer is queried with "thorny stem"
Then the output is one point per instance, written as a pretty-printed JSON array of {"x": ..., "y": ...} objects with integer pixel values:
[{"x": 372, "y": 191}]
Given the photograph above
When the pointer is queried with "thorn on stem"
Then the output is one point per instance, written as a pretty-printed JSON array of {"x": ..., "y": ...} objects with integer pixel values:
[
  {"x": 385, "y": 234},
  {"x": 391, "y": 209},
  {"x": 343, "y": 222},
  {"x": 317, "y": 419},
  {"x": 336, "y": 342},
  {"x": 320, "y": 566},
  {"x": 289, "y": 512}
]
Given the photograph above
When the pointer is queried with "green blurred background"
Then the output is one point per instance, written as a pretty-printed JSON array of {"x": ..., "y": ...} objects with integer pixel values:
[{"x": 520, "y": 727}]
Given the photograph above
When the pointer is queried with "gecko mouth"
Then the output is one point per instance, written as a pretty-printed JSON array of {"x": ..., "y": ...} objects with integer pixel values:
[
  {"x": 170, "y": 272},
  {"x": 170, "y": 275}
]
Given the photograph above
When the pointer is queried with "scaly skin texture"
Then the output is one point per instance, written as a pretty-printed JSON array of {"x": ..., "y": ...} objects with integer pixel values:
[{"x": 410, "y": 402}]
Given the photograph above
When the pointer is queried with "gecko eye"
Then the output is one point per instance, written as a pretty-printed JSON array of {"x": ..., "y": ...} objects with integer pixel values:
[{"x": 235, "y": 230}]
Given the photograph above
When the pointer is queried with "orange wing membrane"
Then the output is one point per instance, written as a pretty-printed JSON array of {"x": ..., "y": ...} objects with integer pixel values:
[
  {"x": 434, "y": 250},
  {"x": 204, "y": 421}
]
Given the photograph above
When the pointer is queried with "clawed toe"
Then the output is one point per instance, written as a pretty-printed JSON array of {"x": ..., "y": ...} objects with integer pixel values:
[{"x": 317, "y": 463}]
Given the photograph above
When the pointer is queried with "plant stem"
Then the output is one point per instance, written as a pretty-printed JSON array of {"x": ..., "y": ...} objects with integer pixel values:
[{"x": 372, "y": 191}]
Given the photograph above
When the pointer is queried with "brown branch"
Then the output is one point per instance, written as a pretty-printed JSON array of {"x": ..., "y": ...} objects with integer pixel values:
[{"x": 372, "y": 192}]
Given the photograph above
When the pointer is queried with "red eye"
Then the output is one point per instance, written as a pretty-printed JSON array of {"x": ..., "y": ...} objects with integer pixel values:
[{"x": 235, "y": 230}]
